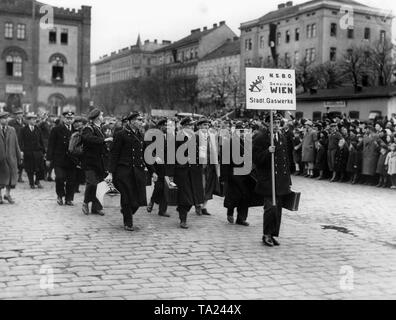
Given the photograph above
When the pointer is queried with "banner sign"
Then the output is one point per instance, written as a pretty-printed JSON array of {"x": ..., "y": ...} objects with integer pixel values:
[
  {"x": 163, "y": 113},
  {"x": 270, "y": 89}
]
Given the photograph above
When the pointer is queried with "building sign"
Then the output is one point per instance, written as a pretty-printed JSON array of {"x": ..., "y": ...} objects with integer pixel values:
[
  {"x": 335, "y": 104},
  {"x": 163, "y": 113},
  {"x": 14, "y": 88},
  {"x": 270, "y": 89}
]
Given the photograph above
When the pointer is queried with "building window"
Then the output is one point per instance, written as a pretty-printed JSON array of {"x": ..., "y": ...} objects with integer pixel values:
[
  {"x": 317, "y": 116},
  {"x": 9, "y": 30},
  {"x": 278, "y": 38},
  {"x": 354, "y": 114},
  {"x": 307, "y": 55},
  {"x": 296, "y": 57},
  {"x": 313, "y": 54},
  {"x": 14, "y": 66},
  {"x": 382, "y": 35},
  {"x": 287, "y": 36},
  {"x": 309, "y": 28},
  {"x": 57, "y": 69},
  {"x": 262, "y": 41},
  {"x": 333, "y": 30},
  {"x": 287, "y": 59},
  {"x": 21, "y": 32},
  {"x": 52, "y": 36},
  {"x": 64, "y": 36},
  {"x": 297, "y": 34},
  {"x": 310, "y": 55},
  {"x": 367, "y": 33},
  {"x": 350, "y": 33},
  {"x": 333, "y": 54},
  {"x": 314, "y": 30}
]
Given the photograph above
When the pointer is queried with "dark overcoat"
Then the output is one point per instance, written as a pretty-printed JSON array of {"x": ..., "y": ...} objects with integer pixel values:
[
  {"x": 58, "y": 147},
  {"x": 188, "y": 177},
  {"x": 370, "y": 155},
  {"x": 94, "y": 150},
  {"x": 341, "y": 159},
  {"x": 128, "y": 167},
  {"x": 262, "y": 161},
  {"x": 32, "y": 146},
  {"x": 10, "y": 157},
  {"x": 354, "y": 164}
]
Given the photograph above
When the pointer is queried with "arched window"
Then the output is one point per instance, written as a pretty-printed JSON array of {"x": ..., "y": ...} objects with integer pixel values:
[
  {"x": 57, "y": 70},
  {"x": 14, "y": 66}
]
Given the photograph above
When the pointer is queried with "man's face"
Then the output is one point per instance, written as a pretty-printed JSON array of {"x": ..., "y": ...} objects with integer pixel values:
[
  {"x": 31, "y": 121},
  {"x": 204, "y": 127},
  {"x": 68, "y": 120},
  {"x": 19, "y": 116},
  {"x": 77, "y": 125},
  {"x": 3, "y": 121},
  {"x": 137, "y": 123},
  {"x": 101, "y": 117},
  {"x": 277, "y": 125}
]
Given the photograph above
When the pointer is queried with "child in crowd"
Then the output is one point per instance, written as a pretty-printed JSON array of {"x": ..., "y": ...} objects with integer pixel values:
[
  {"x": 390, "y": 162},
  {"x": 381, "y": 170}
]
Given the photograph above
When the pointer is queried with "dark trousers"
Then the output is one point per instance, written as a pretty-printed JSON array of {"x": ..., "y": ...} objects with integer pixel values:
[
  {"x": 272, "y": 217},
  {"x": 128, "y": 213},
  {"x": 158, "y": 196},
  {"x": 393, "y": 179},
  {"x": 65, "y": 179},
  {"x": 34, "y": 178},
  {"x": 92, "y": 180},
  {"x": 242, "y": 213},
  {"x": 183, "y": 210}
]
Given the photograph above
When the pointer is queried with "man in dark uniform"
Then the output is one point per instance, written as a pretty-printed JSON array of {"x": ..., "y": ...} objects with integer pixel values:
[
  {"x": 58, "y": 153},
  {"x": 128, "y": 168},
  {"x": 33, "y": 149},
  {"x": 45, "y": 127},
  {"x": 262, "y": 151},
  {"x": 160, "y": 166},
  {"x": 93, "y": 163},
  {"x": 17, "y": 123},
  {"x": 187, "y": 176}
]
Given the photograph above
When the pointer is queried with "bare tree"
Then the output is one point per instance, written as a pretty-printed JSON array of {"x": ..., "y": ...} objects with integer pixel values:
[
  {"x": 382, "y": 62},
  {"x": 327, "y": 75},
  {"x": 305, "y": 75}
]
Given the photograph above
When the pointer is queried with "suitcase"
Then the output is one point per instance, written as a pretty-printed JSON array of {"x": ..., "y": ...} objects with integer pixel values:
[
  {"x": 291, "y": 201},
  {"x": 170, "y": 193}
]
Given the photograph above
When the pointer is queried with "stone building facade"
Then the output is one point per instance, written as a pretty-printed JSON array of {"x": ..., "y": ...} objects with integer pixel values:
[{"x": 45, "y": 53}]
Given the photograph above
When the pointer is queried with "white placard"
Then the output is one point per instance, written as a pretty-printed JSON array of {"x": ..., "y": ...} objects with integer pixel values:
[{"x": 270, "y": 89}]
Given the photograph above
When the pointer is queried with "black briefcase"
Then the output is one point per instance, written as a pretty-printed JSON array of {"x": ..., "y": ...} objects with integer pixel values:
[
  {"x": 219, "y": 189},
  {"x": 170, "y": 192},
  {"x": 291, "y": 201}
]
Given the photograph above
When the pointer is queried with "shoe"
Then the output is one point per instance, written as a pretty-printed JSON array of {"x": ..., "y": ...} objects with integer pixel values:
[
  {"x": 205, "y": 212},
  {"x": 150, "y": 207},
  {"x": 393, "y": 187},
  {"x": 85, "y": 209},
  {"x": 69, "y": 203},
  {"x": 243, "y": 223},
  {"x": 126, "y": 228},
  {"x": 39, "y": 186},
  {"x": 32, "y": 186},
  {"x": 268, "y": 241},
  {"x": 164, "y": 215},
  {"x": 230, "y": 219},
  {"x": 198, "y": 211},
  {"x": 60, "y": 201},
  {"x": 99, "y": 213},
  {"x": 9, "y": 199},
  {"x": 275, "y": 242},
  {"x": 183, "y": 225}
]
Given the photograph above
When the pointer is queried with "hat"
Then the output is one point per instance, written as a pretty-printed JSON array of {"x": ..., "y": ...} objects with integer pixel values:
[
  {"x": 4, "y": 115},
  {"x": 132, "y": 116},
  {"x": 277, "y": 117},
  {"x": 94, "y": 114},
  {"x": 162, "y": 122},
  {"x": 239, "y": 125},
  {"x": 31, "y": 115},
  {"x": 308, "y": 123},
  {"x": 186, "y": 121},
  {"x": 18, "y": 111},
  {"x": 333, "y": 124},
  {"x": 202, "y": 121},
  {"x": 68, "y": 114}
]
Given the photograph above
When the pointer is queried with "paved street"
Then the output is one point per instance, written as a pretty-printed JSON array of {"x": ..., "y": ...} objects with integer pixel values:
[{"x": 341, "y": 245}]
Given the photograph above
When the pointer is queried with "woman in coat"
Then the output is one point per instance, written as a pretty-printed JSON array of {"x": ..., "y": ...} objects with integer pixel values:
[
  {"x": 10, "y": 157},
  {"x": 371, "y": 146},
  {"x": 308, "y": 148},
  {"x": 354, "y": 164}
]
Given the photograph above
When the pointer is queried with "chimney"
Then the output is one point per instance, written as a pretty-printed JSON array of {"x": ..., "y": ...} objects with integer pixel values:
[
  {"x": 166, "y": 42},
  {"x": 289, "y": 3},
  {"x": 214, "y": 25},
  {"x": 155, "y": 41},
  {"x": 205, "y": 28},
  {"x": 281, "y": 6},
  {"x": 146, "y": 41},
  {"x": 222, "y": 23}
]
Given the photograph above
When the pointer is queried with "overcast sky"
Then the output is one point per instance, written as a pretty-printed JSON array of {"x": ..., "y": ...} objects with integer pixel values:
[{"x": 117, "y": 23}]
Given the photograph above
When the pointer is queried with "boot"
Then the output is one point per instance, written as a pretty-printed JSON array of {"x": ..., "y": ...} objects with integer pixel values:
[
  {"x": 333, "y": 178},
  {"x": 321, "y": 175},
  {"x": 183, "y": 220},
  {"x": 20, "y": 180},
  {"x": 380, "y": 183}
]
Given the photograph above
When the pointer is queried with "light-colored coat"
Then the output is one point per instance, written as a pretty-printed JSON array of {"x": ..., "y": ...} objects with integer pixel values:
[
  {"x": 370, "y": 155},
  {"x": 390, "y": 161},
  {"x": 308, "y": 146},
  {"x": 10, "y": 157}
]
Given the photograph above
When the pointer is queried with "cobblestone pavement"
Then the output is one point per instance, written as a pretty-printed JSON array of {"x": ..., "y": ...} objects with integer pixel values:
[{"x": 340, "y": 245}]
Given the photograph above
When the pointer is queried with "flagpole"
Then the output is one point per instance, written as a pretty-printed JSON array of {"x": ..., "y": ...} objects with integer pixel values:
[{"x": 272, "y": 158}]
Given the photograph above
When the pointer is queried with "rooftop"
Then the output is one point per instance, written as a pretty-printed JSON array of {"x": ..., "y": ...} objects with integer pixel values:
[{"x": 230, "y": 48}]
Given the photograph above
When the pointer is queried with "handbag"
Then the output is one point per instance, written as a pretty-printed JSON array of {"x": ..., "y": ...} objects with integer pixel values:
[
  {"x": 170, "y": 191},
  {"x": 291, "y": 201}
]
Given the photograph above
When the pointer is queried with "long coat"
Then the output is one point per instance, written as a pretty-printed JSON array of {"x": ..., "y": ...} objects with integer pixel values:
[
  {"x": 58, "y": 147},
  {"x": 188, "y": 177},
  {"x": 33, "y": 148},
  {"x": 262, "y": 161},
  {"x": 308, "y": 147},
  {"x": 370, "y": 155},
  {"x": 341, "y": 159},
  {"x": 10, "y": 157},
  {"x": 94, "y": 150},
  {"x": 128, "y": 167}
]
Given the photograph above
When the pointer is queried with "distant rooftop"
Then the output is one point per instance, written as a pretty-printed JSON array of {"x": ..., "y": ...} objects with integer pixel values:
[{"x": 230, "y": 48}]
